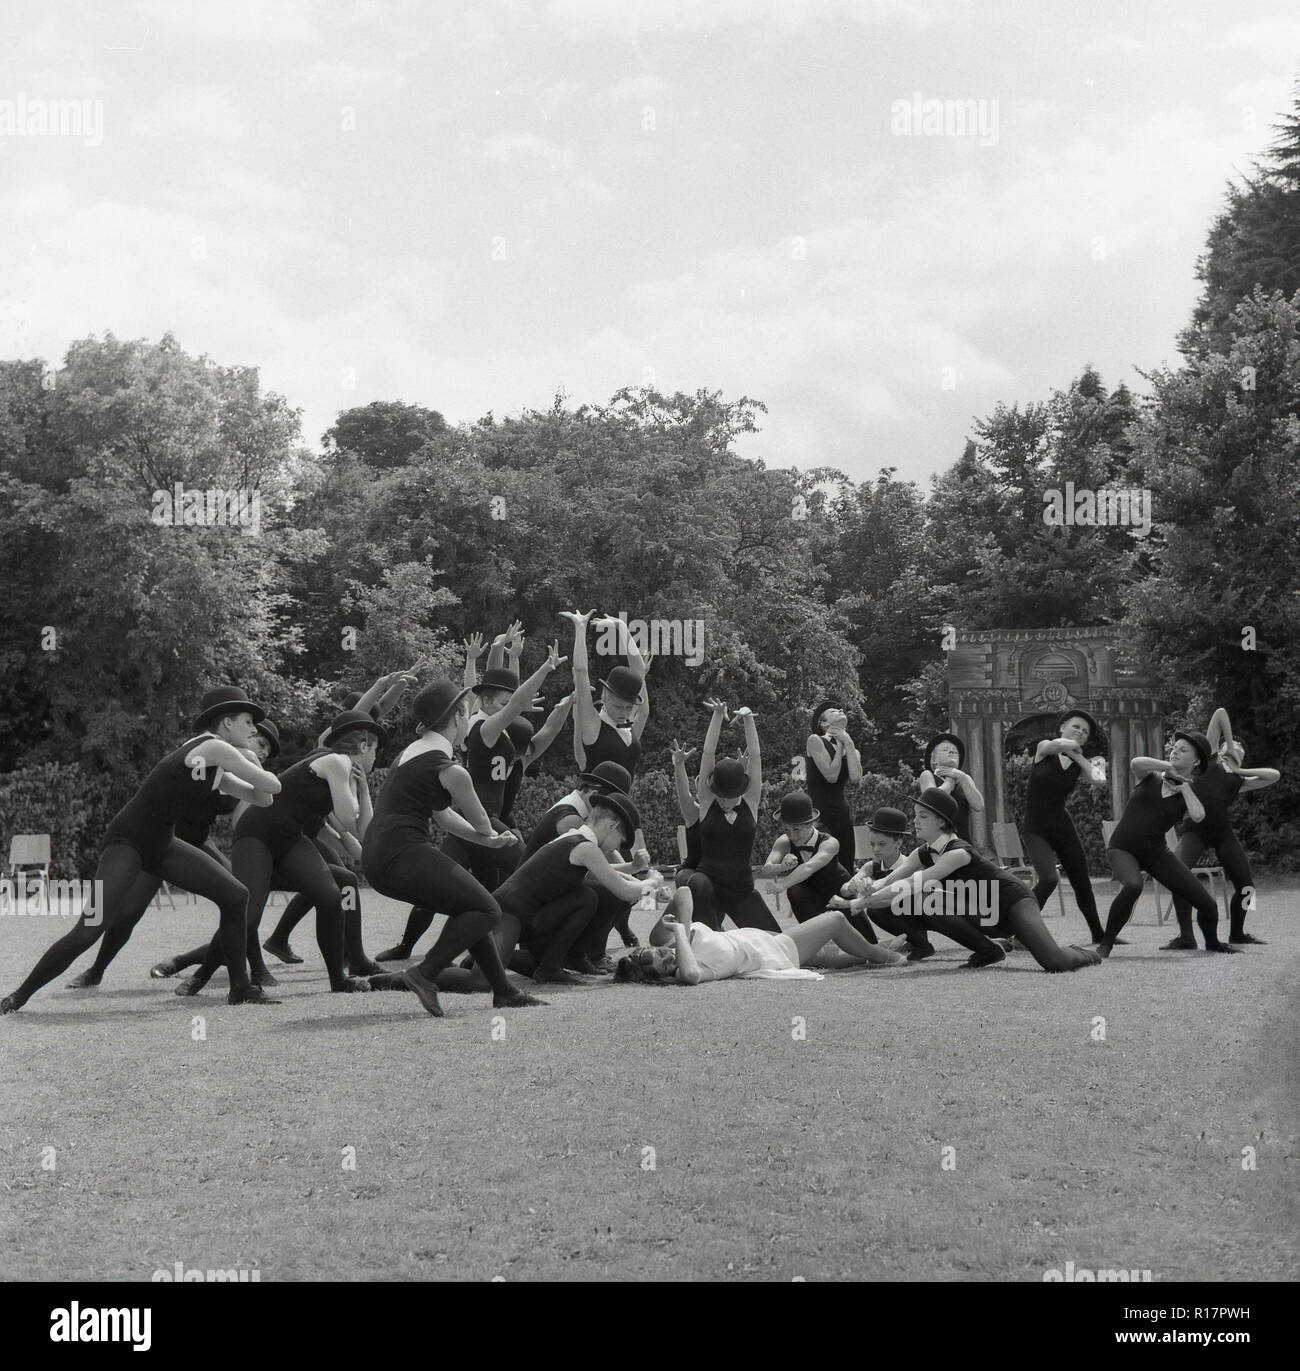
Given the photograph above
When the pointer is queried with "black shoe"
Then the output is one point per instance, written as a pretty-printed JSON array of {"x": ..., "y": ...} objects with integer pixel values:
[
  {"x": 521, "y": 999},
  {"x": 9, "y": 1005},
  {"x": 1220, "y": 947},
  {"x": 365, "y": 968},
  {"x": 979, "y": 959},
  {"x": 191, "y": 985},
  {"x": 281, "y": 950},
  {"x": 426, "y": 990},
  {"x": 263, "y": 978},
  {"x": 399, "y": 953},
  {"x": 1249, "y": 938},
  {"x": 920, "y": 953},
  {"x": 161, "y": 970},
  {"x": 254, "y": 994},
  {"x": 1179, "y": 944},
  {"x": 352, "y": 985},
  {"x": 87, "y": 980}
]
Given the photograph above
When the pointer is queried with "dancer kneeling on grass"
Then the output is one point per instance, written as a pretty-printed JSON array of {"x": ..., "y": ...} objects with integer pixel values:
[
  {"x": 804, "y": 861},
  {"x": 1163, "y": 795},
  {"x": 401, "y": 861},
  {"x": 141, "y": 840},
  {"x": 549, "y": 900},
  {"x": 691, "y": 953},
  {"x": 969, "y": 883}
]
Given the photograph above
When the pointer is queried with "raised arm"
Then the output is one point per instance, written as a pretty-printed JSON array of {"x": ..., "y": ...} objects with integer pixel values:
[
  {"x": 492, "y": 728},
  {"x": 754, "y": 764},
  {"x": 586, "y": 717},
  {"x": 550, "y": 730},
  {"x": 1144, "y": 766},
  {"x": 709, "y": 753},
  {"x": 627, "y": 646},
  {"x": 826, "y": 760},
  {"x": 686, "y": 803},
  {"x": 1219, "y": 730},
  {"x": 473, "y": 650}
]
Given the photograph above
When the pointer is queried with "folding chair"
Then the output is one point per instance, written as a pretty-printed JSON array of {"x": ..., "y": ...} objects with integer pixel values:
[
  {"x": 861, "y": 845},
  {"x": 28, "y": 851},
  {"x": 164, "y": 892},
  {"x": 1010, "y": 852}
]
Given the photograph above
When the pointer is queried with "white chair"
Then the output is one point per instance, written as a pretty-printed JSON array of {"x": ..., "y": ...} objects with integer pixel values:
[
  {"x": 28, "y": 851},
  {"x": 1010, "y": 851}
]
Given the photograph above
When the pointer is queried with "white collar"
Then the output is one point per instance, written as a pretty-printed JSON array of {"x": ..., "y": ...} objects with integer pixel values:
[
  {"x": 583, "y": 831},
  {"x": 942, "y": 842},
  {"x": 624, "y": 731},
  {"x": 430, "y": 742},
  {"x": 574, "y": 798}
]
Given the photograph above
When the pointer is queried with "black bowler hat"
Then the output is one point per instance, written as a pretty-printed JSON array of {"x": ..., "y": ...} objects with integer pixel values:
[
  {"x": 607, "y": 776},
  {"x": 625, "y": 683},
  {"x": 796, "y": 810},
  {"x": 352, "y": 699},
  {"x": 350, "y": 719},
  {"x": 892, "y": 822},
  {"x": 520, "y": 732},
  {"x": 226, "y": 700},
  {"x": 944, "y": 738},
  {"x": 432, "y": 705},
  {"x": 622, "y": 806},
  {"x": 941, "y": 803},
  {"x": 499, "y": 678},
  {"x": 730, "y": 779},
  {"x": 268, "y": 730},
  {"x": 1200, "y": 742}
]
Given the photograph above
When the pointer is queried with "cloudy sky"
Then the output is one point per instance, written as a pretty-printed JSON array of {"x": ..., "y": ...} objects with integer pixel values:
[{"x": 472, "y": 206}]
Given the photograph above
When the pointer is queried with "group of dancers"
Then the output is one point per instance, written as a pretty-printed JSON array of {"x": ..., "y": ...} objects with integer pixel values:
[{"x": 544, "y": 907}]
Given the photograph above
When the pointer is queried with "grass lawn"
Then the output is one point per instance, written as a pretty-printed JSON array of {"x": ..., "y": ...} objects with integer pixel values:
[{"x": 799, "y": 1128}]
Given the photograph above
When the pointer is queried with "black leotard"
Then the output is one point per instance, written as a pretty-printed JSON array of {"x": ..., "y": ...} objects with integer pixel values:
[
  {"x": 544, "y": 877},
  {"x": 978, "y": 868},
  {"x": 826, "y": 882},
  {"x": 830, "y": 799},
  {"x": 726, "y": 849},
  {"x": 1050, "y": 785},
  {"x": 511, "y": 792},
  {"x": 548, "y": 826},
  {"x": 299, "y": 809},
  {"x": 412, "y": 793},
  {"x": 147, "y": 821},
  {"x": 488, "y": 767},
  {"x": 1147, "y": 817},
  {"x": 1216, "y": 789},
  {"x": 199, "y": 813},
  {"x": 610, "y": 747}
]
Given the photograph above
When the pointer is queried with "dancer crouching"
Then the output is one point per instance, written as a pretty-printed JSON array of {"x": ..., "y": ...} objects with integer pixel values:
[{"x": 401, "y": 861}]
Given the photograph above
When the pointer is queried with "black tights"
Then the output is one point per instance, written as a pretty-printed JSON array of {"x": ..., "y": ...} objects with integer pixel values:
[
  {"x": 1164, "y": 867},
  {"x": 611, "y": 913},
  {"x": 1236, "y": 867},
  {"x": 714, "y": 900},
  {"x": 354, "y": 952},
  {"x": 489, "y": 866},
  {"x": 428, "y": 878},
  {"x": 121, "y": 869},
  {"x": 301, "y": 868},
  {"x": 1061, "y": 842},
  {"x": 806, "y": 903}
]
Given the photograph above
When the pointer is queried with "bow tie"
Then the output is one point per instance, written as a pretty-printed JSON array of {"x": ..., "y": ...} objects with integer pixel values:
[{"x": 730, "y": 815}]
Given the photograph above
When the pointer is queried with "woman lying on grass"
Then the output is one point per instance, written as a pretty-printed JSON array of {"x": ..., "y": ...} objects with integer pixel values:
[{"x": 692, "y": 953}]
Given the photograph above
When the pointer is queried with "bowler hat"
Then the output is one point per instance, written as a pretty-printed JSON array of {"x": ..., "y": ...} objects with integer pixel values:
[{"x": 226, "y": 700}]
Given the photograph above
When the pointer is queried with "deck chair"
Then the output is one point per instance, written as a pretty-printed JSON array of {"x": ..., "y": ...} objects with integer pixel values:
[{"x": 1010, "y": 852}]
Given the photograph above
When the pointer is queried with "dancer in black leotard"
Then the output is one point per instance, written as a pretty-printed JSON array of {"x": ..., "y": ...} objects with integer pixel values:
[
  {"x": 804, "y": 860},
  {"x": 941, "y": 768},
  {"x": 272, "y": 848},
  {"x": 886, "y": 830},
  {"x": 402, "y": 862},
  {"x": 193, "y": 826},
  {"x": 489, "y": 756},
  {"x": 832, "y": 764},
  {"x": 141, "y": 840},
  {"x": 529, "y": 747},
  {"x": 947, "y": 866},
  {"x": 1047, "y": 828},
  {"x": 1216, "y": 789},
  {"x": 730, "y": 792},
  {"x": 1162, "y": 795}
]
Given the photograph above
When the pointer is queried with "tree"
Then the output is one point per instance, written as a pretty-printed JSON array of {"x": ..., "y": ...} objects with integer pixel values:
[{"x": 384, "y": 433}]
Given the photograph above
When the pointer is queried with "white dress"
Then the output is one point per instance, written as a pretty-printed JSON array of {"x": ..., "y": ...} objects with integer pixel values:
[{"x": 748, "y": 952}]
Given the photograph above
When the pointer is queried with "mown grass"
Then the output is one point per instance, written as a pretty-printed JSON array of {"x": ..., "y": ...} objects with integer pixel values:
[{"x": 798, "y": 1128}]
